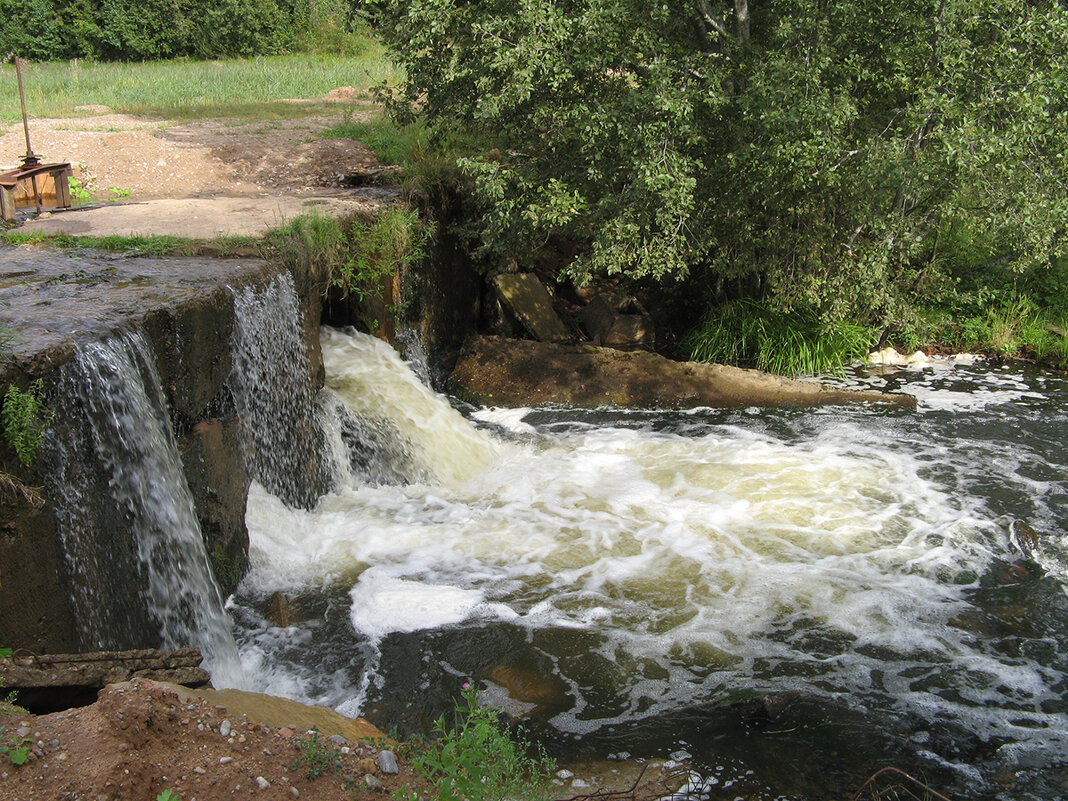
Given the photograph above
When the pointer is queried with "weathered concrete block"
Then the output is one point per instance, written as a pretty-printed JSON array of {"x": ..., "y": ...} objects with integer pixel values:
[{"x": 526, "y": 298}]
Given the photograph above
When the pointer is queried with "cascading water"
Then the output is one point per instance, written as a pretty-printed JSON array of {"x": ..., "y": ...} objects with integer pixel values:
[
  {"x": 116, "y": 470},
  {"x": 670, "y": 573},
  {"x": 269, "y": 382}
]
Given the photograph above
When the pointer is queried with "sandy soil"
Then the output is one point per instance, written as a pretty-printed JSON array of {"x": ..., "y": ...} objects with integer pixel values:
[
  {"x": 141, "y": 739},
  {"x": 118, "y": 156}
]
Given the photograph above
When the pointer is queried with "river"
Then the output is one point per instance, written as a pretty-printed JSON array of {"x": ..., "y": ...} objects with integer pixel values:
[{"x": 786, "y": 599}]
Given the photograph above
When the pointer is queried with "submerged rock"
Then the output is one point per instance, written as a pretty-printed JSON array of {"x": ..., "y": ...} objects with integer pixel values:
[{"x": 493, "y": 371}]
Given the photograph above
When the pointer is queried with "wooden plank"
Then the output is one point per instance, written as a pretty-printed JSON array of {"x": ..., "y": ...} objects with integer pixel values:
[{"x": 7, "y": 203}]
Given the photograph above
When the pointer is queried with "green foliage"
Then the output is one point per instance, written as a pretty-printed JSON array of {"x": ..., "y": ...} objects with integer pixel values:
[
  {"x": 5, "y": 653},
  {"x": 25, "y": 421},
  {"x": 315, "y": 755},
  {"x": 816, "y": 156},
  {"x": 788, "y": 343},
  {"x": 395, "y": 238},
  {"x": 15, "y": 748},
  {"x": 145, "y": 30},
  {"x": 168, "y": 795},
  {"x": 477, "y": 760}
]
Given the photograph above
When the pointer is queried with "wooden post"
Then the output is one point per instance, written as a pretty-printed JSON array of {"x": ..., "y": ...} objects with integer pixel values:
[{"x": 7, "y": 203}]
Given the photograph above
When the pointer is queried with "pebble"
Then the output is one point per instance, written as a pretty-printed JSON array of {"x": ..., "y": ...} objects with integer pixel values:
[
  {"x": 224, "y": 728},
  {"x": 62, "y": 756},
  {"x": 23, "y": 731},
  {"x": 262, "y": 783},
  {"x": 199, "y": 770},
  {"x": 578, "y": 784},
  {"x": 294, "y": 792},
  {"x": 564, "y": 774},
  {"x": 387, "y": 762},
  {"x": 337, "y": 739},
  {"x": 286, "y": 732},
  {"x": 55, "y": 743},
  {"x": 225, "y": 760}
]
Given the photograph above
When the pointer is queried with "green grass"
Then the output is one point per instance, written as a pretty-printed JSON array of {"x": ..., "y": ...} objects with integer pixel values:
[
  {"x": 156, "y": 246},
  {"x": 182, "y": 88},
  {"x": 746, "y": 333},
  {"x": 410, "y": 147}
]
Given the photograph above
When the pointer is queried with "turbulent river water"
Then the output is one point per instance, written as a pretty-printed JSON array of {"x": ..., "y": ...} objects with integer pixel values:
[{"x": 789, "y": 599}]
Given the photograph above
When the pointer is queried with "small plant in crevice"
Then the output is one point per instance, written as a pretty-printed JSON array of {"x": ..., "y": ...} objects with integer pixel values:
[
  {"x": 25, "y": 420},
  {"x": 477, "y": 759},
  {"x": 316, "y": 755},
  {"x": 168, "y": 795},
  {"x": 396, "y": 238}
]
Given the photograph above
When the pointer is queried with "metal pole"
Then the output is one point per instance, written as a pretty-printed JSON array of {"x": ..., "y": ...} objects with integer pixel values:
[{"x": 29, "y": 159}]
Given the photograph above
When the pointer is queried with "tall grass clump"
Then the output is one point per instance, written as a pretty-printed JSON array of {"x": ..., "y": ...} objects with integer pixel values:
[
  {"x": 393, "y": 239},
  {"x": 476, "y": 759},
  {"x": 746, "y": 333}
]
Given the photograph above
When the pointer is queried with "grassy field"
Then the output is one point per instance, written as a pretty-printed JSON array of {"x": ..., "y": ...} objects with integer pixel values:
[{"x": 183, "y": 89}]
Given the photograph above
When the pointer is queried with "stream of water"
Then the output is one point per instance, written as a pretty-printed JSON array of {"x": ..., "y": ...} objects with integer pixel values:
[{"x": 790, "y": 599}]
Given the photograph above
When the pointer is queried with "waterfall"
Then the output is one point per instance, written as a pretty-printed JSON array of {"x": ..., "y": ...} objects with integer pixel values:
[
  {"x": 269, "y": 382},
  {"x": 125, "y": 515}
]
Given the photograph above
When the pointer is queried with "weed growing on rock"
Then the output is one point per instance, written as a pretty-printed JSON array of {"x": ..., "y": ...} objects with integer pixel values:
[
  {"x": 317, "y": 756},
  {"x": 25, "y": 420},
  {"x": 477, "y": 759}
]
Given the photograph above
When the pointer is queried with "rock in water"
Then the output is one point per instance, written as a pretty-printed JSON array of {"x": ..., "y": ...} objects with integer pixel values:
[{"x": 493, "y": 371}]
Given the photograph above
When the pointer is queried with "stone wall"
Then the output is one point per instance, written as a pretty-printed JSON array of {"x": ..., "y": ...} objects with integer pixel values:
[{"x": 55, "y": 303}]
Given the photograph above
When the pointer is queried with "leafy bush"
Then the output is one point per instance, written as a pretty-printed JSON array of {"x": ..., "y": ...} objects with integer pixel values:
[
  {"x": 477, "y": 760},
  {"x": 395, "y": 238},
  {"x": 146, "y": 30}
]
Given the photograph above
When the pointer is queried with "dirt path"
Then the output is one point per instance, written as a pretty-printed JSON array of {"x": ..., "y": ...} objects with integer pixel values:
[{"x": 118, "y": 156}]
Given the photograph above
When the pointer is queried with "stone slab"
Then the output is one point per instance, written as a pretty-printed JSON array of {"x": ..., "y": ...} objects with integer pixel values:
[
  {"x": 494, "y": 371},
  {"x": 526, "y": 298},
  {"x": 192, "y": 218}
]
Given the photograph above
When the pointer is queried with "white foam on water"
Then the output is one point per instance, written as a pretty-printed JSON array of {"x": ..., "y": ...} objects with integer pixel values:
[
  {"x": 383, "y": 604},
  {"x": 372, "y": 380},
  {"x": 508, "y": 419},
  {"x": 713, "y": 554}
]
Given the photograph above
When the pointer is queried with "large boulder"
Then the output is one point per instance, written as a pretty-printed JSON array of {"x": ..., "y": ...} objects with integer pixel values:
[{"x": 493, "y": 371}]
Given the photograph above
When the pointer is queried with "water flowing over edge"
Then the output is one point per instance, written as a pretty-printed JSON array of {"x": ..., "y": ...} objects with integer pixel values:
[{"x": 117, "y": 471}]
